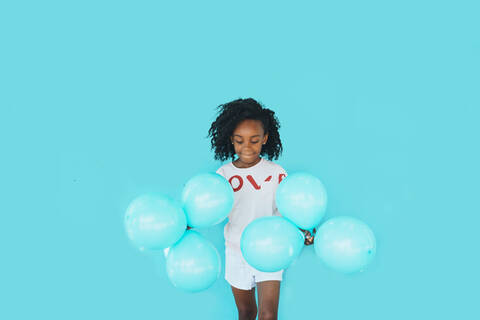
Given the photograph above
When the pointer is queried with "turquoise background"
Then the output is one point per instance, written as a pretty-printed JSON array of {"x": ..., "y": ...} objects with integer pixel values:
[{"x": 101, "y": 101}]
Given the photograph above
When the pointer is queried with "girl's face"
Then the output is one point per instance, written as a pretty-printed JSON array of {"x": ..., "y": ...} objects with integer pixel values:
[{"x": 248, "y": 139}]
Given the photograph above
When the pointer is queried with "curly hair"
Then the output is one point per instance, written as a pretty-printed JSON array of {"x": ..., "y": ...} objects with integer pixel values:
[{"x": 230, "y": 115}]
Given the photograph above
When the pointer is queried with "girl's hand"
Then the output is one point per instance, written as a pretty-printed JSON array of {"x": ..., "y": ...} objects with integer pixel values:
[{"x": 309, "y": 238}]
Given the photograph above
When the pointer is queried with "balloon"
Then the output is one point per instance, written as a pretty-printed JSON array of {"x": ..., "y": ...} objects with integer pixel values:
[
  {"x": 193, "y": 263},
  {"x": 154, "y": 221},
  {"x": 207, "y": 200},
  {"x": 165, "y": 251},
  {"x": 271, "y": 243},
  {"x": 345, "y": 244},
  {"x": 302, "y": 198}
]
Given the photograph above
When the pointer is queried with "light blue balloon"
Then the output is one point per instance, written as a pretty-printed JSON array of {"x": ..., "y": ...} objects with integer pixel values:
[
  {"x": 302, "y": 198},
  {"x": 154, "y": 222},
  {"x": 207, "y": 199},
  {"x": 193, "y": 263},
  {"x": 345, "y": 244},
  {"x": 271, "y": 243}
]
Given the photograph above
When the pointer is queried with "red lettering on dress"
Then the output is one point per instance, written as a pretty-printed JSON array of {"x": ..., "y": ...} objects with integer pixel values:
[
  {"x": 252, "y": 181},
  {"x": 240, "y": 183}
]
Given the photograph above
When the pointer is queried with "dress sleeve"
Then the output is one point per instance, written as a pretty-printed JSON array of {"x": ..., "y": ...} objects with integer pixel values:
[{"x": 220, "y": 172}]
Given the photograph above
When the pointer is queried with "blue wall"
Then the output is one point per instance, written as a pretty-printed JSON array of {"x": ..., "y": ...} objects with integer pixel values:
[{"x": 103, "y": 101}]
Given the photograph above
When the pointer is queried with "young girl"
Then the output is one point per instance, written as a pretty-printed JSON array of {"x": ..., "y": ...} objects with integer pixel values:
[{"x": 246, "y": 129}]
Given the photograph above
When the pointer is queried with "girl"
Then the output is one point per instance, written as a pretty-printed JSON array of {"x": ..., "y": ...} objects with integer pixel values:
[{"x": 243, "y": 127}]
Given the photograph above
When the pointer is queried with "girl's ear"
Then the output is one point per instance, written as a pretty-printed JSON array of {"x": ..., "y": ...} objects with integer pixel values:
[{"x": 265, "y": 138}]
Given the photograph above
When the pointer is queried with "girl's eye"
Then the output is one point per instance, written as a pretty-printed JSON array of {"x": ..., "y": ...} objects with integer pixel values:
[{"x": 241, "y": 142}]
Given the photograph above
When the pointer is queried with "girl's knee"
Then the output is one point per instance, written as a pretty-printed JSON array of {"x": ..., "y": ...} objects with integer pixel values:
[
  {"x": 267, "y": 315},
  {"x": 247, "y": 313}
]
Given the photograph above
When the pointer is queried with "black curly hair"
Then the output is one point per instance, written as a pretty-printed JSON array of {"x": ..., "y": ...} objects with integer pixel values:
[{"x": 230, "y": 115}]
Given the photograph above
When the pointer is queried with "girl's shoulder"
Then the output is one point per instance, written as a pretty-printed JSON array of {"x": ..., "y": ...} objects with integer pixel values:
[
  {"x": 267, "y": 165},
  {"x": 221, "y": 169},
  {"x": 274, "y": 166}
]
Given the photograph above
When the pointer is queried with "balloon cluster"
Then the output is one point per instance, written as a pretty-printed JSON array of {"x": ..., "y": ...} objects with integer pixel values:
[
  {"x": 157, "y": 222},
  {"x": 271, "y": 243},
  {"x": 343, "y": 243}
]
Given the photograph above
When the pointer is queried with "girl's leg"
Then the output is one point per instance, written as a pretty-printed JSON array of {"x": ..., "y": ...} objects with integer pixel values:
[
  {"x": 246, "y": 304},
  {"x": 268, "y": 296}
]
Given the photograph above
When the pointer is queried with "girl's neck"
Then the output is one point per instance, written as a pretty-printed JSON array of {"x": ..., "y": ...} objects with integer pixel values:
[{"x": 241, "y": 165}]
